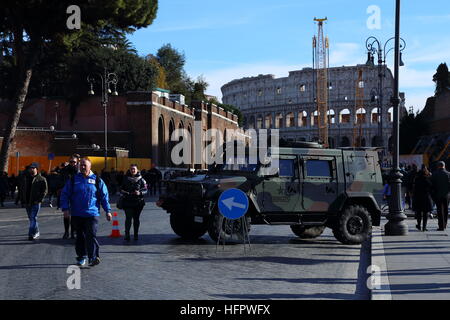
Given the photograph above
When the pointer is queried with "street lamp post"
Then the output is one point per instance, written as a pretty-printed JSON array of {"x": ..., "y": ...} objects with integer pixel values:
[
  {"x": 374, "y": 47},
  {"x": 106, "y": 80},
  {"x": 396, "y": 225}
]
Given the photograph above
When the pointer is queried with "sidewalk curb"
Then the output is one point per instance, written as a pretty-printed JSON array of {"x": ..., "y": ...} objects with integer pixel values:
[{"x": 380, "y": 281}]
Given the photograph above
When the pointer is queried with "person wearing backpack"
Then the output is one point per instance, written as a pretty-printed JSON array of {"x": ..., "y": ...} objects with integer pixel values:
[
  {"x": 81, "y": 199},
  {"x": 133, "y": 189}
]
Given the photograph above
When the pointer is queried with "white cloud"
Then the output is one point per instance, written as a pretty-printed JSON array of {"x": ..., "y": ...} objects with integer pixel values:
[
  {"x": 345, "y": 54},
  {"x": 411, "y": 78}
]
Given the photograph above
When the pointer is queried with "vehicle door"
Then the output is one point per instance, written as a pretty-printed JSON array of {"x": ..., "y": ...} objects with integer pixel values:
[
  {"x": 319, "y": 183},
  {"x": 280, "y": 189}
]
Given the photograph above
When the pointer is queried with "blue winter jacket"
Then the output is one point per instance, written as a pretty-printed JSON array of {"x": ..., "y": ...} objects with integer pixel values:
[{"x": 82, "y": 200}]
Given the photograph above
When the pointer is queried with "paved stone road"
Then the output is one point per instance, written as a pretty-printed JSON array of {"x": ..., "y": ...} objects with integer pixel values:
[{"x": 162, "y": 266}]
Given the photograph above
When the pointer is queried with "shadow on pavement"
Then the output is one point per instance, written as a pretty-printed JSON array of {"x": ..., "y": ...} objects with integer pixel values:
[
  {"x": 280, "y": 260},
  {"x": 35, "y": 266},
  {"x": 422, "y": 288},
  {"x": 331, "y": 296},
  {"x": 421, "y": 272},
  {"x": 310, "y": 280}
]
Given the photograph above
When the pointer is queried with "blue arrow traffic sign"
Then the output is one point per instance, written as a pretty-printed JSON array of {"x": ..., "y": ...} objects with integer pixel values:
[{"x": 233, "y": 204}]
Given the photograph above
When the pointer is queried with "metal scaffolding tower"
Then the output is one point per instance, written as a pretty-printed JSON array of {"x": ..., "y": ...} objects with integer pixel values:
[{"x": 321, "y": 56}]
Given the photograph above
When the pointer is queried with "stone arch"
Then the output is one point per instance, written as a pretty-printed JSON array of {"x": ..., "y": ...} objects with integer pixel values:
[
  {"x": 290, "y": 121},
  {"x": 303, "y": 119},
  {"x": 345, "y": 116},
  {"x": 268, "y": 121},
  {"x": 251, "y": 124},
  {"x": 376, "y": 141},
  {"x": 360, "y": 141},
  {"x": 331, "y": 142},
  {"x": 345, "y": 142},
  {"x": 361, "y": 115},
  {"x": 171, "y": 143},
  {"x": 391, "y": 144},
  {"x": 259, "y": 121},
  {"x": 315, "y": 118},
  {"x": 279, "y": 120},
  {"x": 189, "y": 129},
  {"x": 390, "y": 114},
  {"x": 331, "y": 114},
  {"x": 161, "y": 142},
  {"x": 374, "y": 116}
]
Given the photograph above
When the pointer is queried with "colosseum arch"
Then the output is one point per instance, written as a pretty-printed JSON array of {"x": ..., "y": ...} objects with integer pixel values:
[
  {"x": 279, "y": 120},
  {"x": 251, "y": 124},
  {"x": 345, "y": 142},
  {"x": 374, "y": 116},
  {"x": 302, "y": 119},
  {"x": 345, "y": 116},
  {"x": 259, "y": 122},
  {"x": 315, "y": 118},
  {"x": 361, "y": 115},
  {"x": 268, "y": 121},
  {"x": 290, "y": 121},
  {"x": 331, "y": 116},
  {"x": 390, "y": 114}
]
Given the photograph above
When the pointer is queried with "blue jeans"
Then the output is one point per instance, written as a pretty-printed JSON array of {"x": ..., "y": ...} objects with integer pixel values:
[{"x": 32, "y": 212}]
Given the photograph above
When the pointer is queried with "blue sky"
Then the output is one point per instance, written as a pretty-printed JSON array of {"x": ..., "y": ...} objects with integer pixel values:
[{"x": 226, "y": 40}]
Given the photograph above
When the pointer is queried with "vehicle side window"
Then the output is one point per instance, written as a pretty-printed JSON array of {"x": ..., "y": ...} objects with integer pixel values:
[
  {"x": 318, "y": 168},
  {"x": 287, "y": 168}
]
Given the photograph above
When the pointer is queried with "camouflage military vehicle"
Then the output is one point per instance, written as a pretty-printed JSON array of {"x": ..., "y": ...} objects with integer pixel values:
[{"x": 311, "y": 189}]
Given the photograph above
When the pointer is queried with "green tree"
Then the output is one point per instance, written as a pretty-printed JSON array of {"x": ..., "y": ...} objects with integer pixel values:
[
  {"x": 412, "y": 127},
  {"x": 32, "y": 25},
  {"x": 173, "y": 63},
  {"x": 442, "y": 78}
]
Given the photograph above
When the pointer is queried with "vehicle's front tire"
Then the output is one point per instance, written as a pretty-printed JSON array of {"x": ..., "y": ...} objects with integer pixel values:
[
  {"x": 226, "y": 229},
  {"x": 307, "y": 232},
  {"x": 354, "y": 225},
  {"x": 186, "y": 227}
]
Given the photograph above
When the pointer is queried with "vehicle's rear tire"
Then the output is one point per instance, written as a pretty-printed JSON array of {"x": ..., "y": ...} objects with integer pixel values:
[
  {"x": 226, "y": 229},
  {"x": 186, "y": 227},
  {"x": 307, "y": 232},
  {"x": 354, "y": 225}
]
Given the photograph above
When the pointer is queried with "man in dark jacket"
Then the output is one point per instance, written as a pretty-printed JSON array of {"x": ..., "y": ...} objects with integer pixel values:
[
  {"x": 69, "y": 171},
  {"x": 441, "y": 189},
  {"x": 34, "y": 189}
]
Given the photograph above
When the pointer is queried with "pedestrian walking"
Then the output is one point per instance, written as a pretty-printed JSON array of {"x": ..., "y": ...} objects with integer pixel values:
[
  {"x": 81, "y": 199},
  {"x": 67, "y": 173},
  {"x": 441, "y": 189},
  {"x": 12, "y": 180},
  {"x": 4, "y": 188},
  {"x": 33, "y": 191},
  {"x": 422, "y": 202},
  {"x": 155, "y": 178},
  {"x": 53, "y": 182},
  {"x": 133, "y": 189}
]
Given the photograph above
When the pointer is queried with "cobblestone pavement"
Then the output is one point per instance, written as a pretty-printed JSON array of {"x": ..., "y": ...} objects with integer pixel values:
[{"x": 162, "y": 266}]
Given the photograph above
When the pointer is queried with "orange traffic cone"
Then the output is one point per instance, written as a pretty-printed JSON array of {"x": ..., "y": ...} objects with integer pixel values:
[{"x": 115, "y": 227}]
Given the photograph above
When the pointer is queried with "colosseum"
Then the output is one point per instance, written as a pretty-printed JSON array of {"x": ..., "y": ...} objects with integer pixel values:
[{"x": 288, "y": 104}]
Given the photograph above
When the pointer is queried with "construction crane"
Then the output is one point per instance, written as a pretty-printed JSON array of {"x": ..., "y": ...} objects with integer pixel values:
[
  {"x": 321, "y": 56},
  {"x": 359, "y": 104}
]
